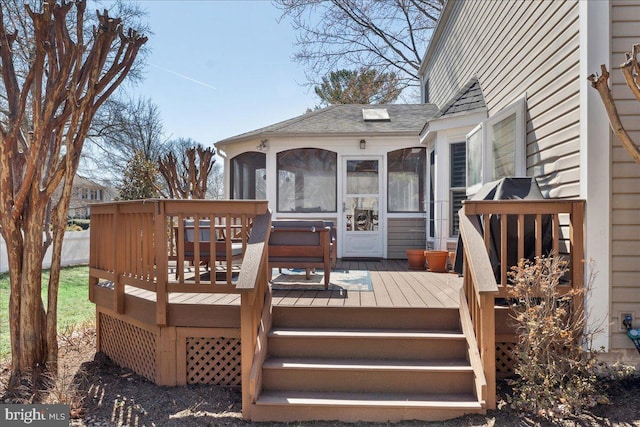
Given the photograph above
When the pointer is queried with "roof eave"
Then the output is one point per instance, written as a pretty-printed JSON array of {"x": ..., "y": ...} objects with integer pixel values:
[
  {"x": 263, "y": 135},
  {"x": 437, "y": 34}
]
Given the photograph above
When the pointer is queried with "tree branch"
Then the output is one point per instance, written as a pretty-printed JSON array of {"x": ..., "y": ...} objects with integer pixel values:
[{"x": 601, "y": 84}]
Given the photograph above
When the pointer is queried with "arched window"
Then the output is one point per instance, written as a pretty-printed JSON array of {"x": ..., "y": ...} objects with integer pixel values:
[
  {"x": 248, "y": 176},
  {"x": 406, "y": 180},
  {"x": 307, "y": 180}
]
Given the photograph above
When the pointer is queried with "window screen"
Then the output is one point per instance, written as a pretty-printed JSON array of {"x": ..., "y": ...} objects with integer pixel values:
[
  {"x": 406, "y": 176},
  {"x": 307, "y": 180}
]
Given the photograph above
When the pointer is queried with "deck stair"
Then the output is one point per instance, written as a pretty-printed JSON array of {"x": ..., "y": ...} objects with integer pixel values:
[{"x": 366, "y": 364}]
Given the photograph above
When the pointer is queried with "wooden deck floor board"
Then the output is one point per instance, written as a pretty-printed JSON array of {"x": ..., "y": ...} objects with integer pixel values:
[{"x": 393, "y": 286}]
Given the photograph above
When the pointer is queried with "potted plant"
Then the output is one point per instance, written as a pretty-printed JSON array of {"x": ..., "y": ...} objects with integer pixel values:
[
  {"x": 416, "y": 259},
  {"x": 436, "y": 261}
]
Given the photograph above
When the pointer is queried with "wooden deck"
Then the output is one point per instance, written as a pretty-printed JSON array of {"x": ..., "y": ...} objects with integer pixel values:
[
  {"x": 394, "y": 286},
  {"x": 173, "y": 324}
]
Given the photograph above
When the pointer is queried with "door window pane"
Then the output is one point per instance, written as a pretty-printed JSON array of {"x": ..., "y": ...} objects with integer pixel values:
[
  {"x": 307, "y": 180},
  {"x": 406, "y": 180},
  {"x": 361, "y": 213},
  {"x": 362, "y": 177}
]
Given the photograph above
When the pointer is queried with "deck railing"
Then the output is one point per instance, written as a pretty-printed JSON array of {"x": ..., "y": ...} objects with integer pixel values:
[
  {"x": 496, "y": 230},
  {"x": 133, "y": 243},
  {"x": 142, "y": 244}
]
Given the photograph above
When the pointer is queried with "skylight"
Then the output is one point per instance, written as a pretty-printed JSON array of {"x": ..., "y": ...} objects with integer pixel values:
[{"x": 375, "y": 115}]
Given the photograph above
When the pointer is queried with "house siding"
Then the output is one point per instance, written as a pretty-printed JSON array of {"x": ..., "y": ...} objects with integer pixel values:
[
  {"x": 518, "y": 49},
  {"x": 625, "y": 215},
  {"x": 403, "y": 234}
]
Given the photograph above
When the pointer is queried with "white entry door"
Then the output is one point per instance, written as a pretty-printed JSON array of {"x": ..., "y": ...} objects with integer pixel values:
[{"x": 361, "y": 197}]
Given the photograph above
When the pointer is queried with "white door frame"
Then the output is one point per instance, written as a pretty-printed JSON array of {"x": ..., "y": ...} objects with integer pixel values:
[{"x": 346, "y": 237}]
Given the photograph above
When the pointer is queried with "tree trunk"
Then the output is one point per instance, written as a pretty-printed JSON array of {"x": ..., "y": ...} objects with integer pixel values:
[
  {"x": 43, "y": 126},
  {"x": 32, "y": 322}
]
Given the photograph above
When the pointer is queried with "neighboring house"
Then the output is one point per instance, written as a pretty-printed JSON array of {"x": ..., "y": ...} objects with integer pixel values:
[
  {"x": 84, "y": 193},
  {"x": 360, "y": 166},
  {"x": 523, "y": 66}
]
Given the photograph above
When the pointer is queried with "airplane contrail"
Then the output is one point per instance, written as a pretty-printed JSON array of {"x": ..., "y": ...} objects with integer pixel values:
[{"x": 184, "y": 77}]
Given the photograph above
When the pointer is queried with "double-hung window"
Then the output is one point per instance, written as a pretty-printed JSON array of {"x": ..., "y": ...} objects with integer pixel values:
[{"x": 496, "y": 147}]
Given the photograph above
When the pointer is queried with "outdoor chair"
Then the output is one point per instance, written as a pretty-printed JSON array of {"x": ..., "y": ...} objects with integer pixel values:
[
  {"x": 204, "y": 244},
  {"x": 301, "y": 244},
  {"x": 333, "y": 243}
]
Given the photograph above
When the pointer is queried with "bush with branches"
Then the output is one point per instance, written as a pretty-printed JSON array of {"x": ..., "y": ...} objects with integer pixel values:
[{"x": 555, "y": 376}]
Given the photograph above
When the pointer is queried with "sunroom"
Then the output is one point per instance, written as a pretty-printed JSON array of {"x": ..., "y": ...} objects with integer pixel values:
[{"x": 361, "y": 167}]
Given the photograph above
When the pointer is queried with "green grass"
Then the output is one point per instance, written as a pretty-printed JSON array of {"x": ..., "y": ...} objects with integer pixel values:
[{"x": 74, "y": 306}]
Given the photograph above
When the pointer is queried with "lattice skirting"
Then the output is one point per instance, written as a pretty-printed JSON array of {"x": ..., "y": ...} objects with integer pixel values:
[
  {"x": 213, "y": 360},
  {"x": 505, "y": 359},
  {"x": 128, "y": 345}
]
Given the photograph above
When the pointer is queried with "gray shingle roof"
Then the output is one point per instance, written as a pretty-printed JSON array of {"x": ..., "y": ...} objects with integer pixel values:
[
  {"x": 346, "y": 119},
  {"x": 469, "y": 98}
]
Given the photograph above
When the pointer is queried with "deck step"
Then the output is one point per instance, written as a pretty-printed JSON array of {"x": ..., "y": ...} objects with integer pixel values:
[
  {"x": 361, "y": 333},
  {"x": 444, "y": 319},
  {"x": 367, "y": 344},
  {"x": 287, "y": 406},
  {"x": 346, "y": 364},
  {"x": 382, "y": 365},
  {"x": 366, "y": 376}
]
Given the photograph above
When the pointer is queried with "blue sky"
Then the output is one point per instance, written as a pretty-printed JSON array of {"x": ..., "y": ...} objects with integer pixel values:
[{"x": 221, "y": 68}]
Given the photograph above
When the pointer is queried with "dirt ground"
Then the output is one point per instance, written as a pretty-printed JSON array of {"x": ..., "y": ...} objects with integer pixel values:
[{"x": 103, "y": 394}]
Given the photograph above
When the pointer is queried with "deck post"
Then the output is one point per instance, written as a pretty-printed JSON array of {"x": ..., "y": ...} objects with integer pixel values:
[
  {"x": 166, "y": 357},
  {"x": 162, "y": 261},
  {"x": 247, "y": 339},
  {"x": 577, "y": 253},
  {"x": 488, "y": 350},
  {"x": 119, "y": 257}
]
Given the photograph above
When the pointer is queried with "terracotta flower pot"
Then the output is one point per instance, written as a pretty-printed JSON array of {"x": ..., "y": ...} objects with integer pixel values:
[
  {"x": 416, "y": 259},
  {"x": 436, "y": 261}
]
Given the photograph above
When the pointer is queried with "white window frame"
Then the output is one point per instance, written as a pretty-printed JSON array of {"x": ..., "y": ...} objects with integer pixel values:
[{"x": 487, "y": 132}]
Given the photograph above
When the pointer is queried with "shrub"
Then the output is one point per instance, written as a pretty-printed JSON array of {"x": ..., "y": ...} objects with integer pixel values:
[{"x": 555, "y": 377}]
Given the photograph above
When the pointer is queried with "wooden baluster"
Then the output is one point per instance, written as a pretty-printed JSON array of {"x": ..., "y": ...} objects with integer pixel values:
[
  {"x": 180, "y": 244},
  {"x": 161, "y": 256},
  {"x": 503, "y": 249},
  {"x": 520, "y": 237},
  {"x": 196, "y": 247},
  {"x": 556, "y": 234},
  {"x": 538, "y": 235}
]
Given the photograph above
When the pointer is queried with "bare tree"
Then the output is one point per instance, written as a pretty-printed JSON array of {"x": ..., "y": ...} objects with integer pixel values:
[
  {"x": 122, "y": 128},
  {"x": 631, "y": 71},
  {"x": 364, "y": 86},
  {"x": 385, "y": 35},
  {"x": 215, "y": 189},
  {"x": 67, "y": 77},
  {"x": 186, "y": 169}
]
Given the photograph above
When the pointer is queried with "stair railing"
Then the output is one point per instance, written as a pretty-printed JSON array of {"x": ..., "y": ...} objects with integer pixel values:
[
  {"x": 255, "y": 310},
  {"x": 480, "y": 288},
  {"x": 533, "y": 223}
]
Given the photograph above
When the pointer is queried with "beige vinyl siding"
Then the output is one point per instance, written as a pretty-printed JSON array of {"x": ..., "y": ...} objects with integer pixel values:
[
  {"x": 515, "y": 49},
  {"x": 403, "y": 234},
  {"x": 625, "y": 215}
]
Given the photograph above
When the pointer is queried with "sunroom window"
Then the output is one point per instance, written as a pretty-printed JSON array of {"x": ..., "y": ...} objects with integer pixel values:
[
  {"x": 248, "y": 176},
  {"x": 496, "y": 147},
  {"x": 307, "y": 180},
  {"x": 406, "y": 180}
]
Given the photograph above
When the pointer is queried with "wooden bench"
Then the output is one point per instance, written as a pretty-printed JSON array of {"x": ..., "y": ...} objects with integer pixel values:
[{"x": 301, "y": 244}]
